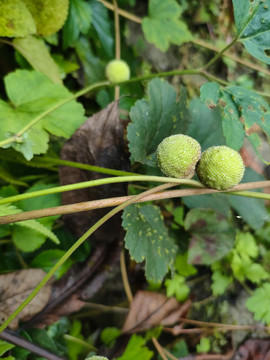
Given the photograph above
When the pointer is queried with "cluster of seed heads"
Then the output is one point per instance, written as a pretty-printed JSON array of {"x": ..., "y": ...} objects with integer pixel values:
[{"x": 219, "y": 167}]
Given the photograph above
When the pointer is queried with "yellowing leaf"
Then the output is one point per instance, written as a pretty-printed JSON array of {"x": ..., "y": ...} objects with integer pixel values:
[
  {"x": 162, "y": 27},
  {"x": 15, "y": 19},
  {"x": 37, "y": 54}
]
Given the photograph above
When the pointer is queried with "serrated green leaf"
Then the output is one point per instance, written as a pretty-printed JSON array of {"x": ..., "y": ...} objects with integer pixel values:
[
  {"x": 15, "y": 19},
  {"x": 37, "y": 54},
  {"x": 136, "y": 349},
  {"x": 147, "y": 239},
  {"x": 252, "y": 20},
  {"x": 177, "y": 287},
  {"x": 31, "y": 93},
  {"x": 163, "y": 27},
  {"x": 26, "y": 239},
  {"x": 220, "y": 282},
  {"x": 4, "y": 347},
  {"x": 212, "y": 236},
  {"x": 153, "y": 120},
  {"x": 78, "y": 20},
  {"x": 38, "y": 227},
  {"x": 246, "y": 245},
  {"x": 7, "y": 209},
  {"x": 259, "y": 303}
]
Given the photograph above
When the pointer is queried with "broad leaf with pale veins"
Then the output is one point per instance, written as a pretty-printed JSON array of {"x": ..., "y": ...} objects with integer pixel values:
[{"x": 32, "y": 93}]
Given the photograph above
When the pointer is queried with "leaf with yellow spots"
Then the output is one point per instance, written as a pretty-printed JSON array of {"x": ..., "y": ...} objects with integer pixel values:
[
  {"x": 242, "y": 110},
  {"x": 154, "y": 119},
  {"x": 147, "y": 238}
]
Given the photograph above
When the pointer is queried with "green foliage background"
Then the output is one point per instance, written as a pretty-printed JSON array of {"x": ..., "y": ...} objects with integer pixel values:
[{"x": 210, "y": 88}]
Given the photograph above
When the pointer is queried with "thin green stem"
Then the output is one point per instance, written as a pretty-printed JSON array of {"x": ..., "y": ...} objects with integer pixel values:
[
  {"x": 75, "y": 246},
  {"x": 220, "y": 54},
  {"x": 251, "y": 194},
  {"x": 110, "y": 180},
  {"x": 102, "y": 170},
  {"x": 54, "y": 107}
]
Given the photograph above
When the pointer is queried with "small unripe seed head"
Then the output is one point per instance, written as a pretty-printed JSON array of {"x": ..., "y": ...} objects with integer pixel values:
[
  {"x": 220, "y": 168},
  {"x": 177, "y": 156},
  {"x": 117, "y": 71}
]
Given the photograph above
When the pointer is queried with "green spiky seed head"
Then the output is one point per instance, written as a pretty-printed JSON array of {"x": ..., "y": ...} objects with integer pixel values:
[
  {"x": 177, "y": 156},
  {"x": 117, "y": 71},
  {"x": 96, "y": 357},
  {"x": 220, "y": 168},
  {"x": 49, "y": 15},
  {"x": 15, "y": 19}
]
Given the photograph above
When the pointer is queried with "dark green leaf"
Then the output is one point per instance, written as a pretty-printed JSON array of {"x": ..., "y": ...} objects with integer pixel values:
[
  {"x": 48, "y": 258},
  {"x": 153, "y": 120},
  {"x": 147, "y": 239},
  {"x": 162, "y": 27},
  {"x": 93, "y": 67},
  {"x": 218, "y": 202},
  {"x": 252, "y": 20},
  {"x": 102, "y": 25},
  {"x": 252, "y": 210},
  {"x": 79, "y": 20},
  {"x": 212, "y": 236},
  {"x": 41, "y": 202},
  {"x": 205, "y": 125}
]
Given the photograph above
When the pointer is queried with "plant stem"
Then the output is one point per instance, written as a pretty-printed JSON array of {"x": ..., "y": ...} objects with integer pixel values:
[
  {"x": 117, "y": 44},
  {"x": 103, "y": 203},
  {"x": 123, "y": 13},
  {"x": 82, "y": 166},
  {"x": 125, "y": 276},
  {"x": 159, "y": 348},
  {"x": 235, "y": 58},
  {"x": 75, "y": 246},
  {"x": 110, "y": 180},
  {"x": 218, "y": 55}
]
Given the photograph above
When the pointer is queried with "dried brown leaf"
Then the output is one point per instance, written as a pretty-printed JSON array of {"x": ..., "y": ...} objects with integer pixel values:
[
  {"x": 100, "y": 142},
  {"x": 150, "y": 309},
  {"x": 253, "y": 349},
  {"x": 14, "y": 289}
]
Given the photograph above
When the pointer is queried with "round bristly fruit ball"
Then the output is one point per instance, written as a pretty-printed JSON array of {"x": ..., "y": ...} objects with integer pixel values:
[
  {"x": 177, "y": 156},
  {"x": 117, "y": 71},
  {"x": 49, "y": 15},
  {"x": 220, "y": 168}
]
